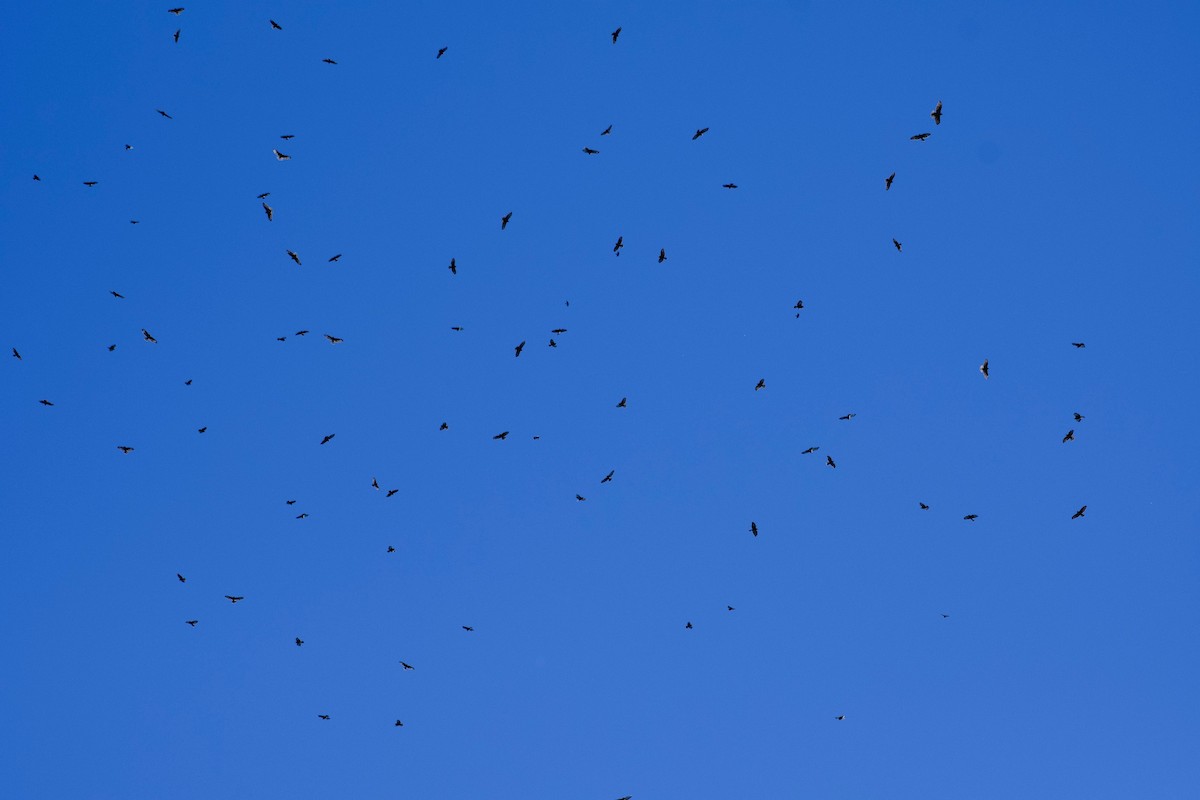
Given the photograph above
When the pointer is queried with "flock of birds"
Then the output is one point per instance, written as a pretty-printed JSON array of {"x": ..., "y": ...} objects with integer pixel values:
[{"x": 147, "y": 337}]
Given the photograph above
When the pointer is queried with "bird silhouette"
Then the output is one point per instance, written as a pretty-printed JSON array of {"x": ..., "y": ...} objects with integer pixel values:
[
  {"x": 292, "y": 255},
  {"x": 441, "y": 52},
  {"x": 699, "y": 132},
  {"x": 937, "y": 113},
  {"x": 1079, "y": 513},
  {"x": 688, "y": 626},
  {"x": 181, "y": 578},
  {"x": 163, "y": 113},
  {"x": 36, "y": 178},
  {"x": 848, "y": 416},
  {"x": 391, "y": 549},
  {"x": 810, "y": 450},
  {"x": 608, "y": 478},
  {"x": 233, "y": 599},
  {"x": 553, "y": 343},
  {"x": 662, "y": 255},
  {"x": 899, "y": 247},
  {"x": 467, "y": 628},
  {"x": 299, "y": 641},
  {"x": 615, "y": 34},
  {"x": 375, "y": 484},
  {"x": 264, "y": 195},
  {"x": 920, "y": 137},
  {"x": 762, "y": 384},
  {"x": 287, "y": 136},
  {"x": 1070, "y": 437},
  {"x": 580, "y": 498},
  {"x": 754, "y": 529},
  {"x": 502, "y": 435},
  {"x": 887, "y": 182},
  {"x": 191, "y": 622},
  {"x": 125, "y": 449},
  {"x": 333, "y": 339},
  {"x": 270, "y": 212},
  {"x": 399, "y": 724},
  {"x": 177, "y": 32},
  {"x": 275, "y": 25},
  {"x": 48, "y": 403},
  {"x": 729, "y": 186},
  {"x": 453, "y": 267},
  {"x": 923, "y": 506},
  {"x": 504, "y": 220},
  {"x": 407, "y": 666},
  {"x": 175, "y": 11},
  {"x": 444, "y": 427},
  {"x": 606, "y": 131},
  {"x": 623, "y": 402},
  {"x": 202, "y": 430},
  {"x": 303, "y": 515},
  {"x": 830, "y": 462},
  {"x": 391, "y": 492},
  {"x": 620, "y": 243},
  {"x": 971, "y": 517},
  {"x": 188, "y": 382},
  {"x": 323, "y": 716},
  {"x": 280, "y": 156},
  {"x": 984, "y": 368},
  {"x": 146, "y": 335},
  {"x": 518, "y": 349},
  {"x": 333, "y": 259},
  {"x": 559, "y": 331},
  {"x": 590, "y": 151},
  {"x": 300, "y": 333},
  {"x": 840, "y": 717},
  {"x": 1078, "y": 417},
  {"x": 1078, "y": 344},
  {"x": 290, "y": 502},
  {"x": 328, "y": 60},
  {"x": 328, "y": 438},
  {"x": 729, "y": 608}
]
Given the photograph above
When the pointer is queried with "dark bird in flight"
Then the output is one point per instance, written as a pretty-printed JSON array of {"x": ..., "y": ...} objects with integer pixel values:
[
  {"x": 937, "y": 113},
  {"x": 622, "y": 403},
  {"x": 391, "y": 492},
  {"x": 620, "y": 243},
  {"x": 375, "y": 484},
  {"x": 729, "y": 608},
  {"x": 280, "y": 156},
  {"x": 1079, "y": 344},
  {"x": 441, "y": 52},
  {"x": 191, "y": 622},
  {"x": 202, "y": 430},
  {"x": 146, "y": 335},
  {"x": 275, "y": 25},
  {"x": 290, "y": 502},
  {"x": 292, "y": 255},
  {"x": 519, "y": 348},
  {"x": 264, "y": 195},
  {"x": 334, "y": 339},
  {"x": 559, "y": 331},
  {"x": 128, "y": 147},
  {"x": 86, "y": 183},
  {"x": 662, "y": 255},
  {"x": 48, "y": 403},
  {"x": 399, "y": 724},
  {"x": 323, "y": 716},
  {"x": 810, "y": 450},
  {"x": 553, "y": 343},
  {"x": 1078, "y": 417},
  {"x": 728, "y": 185},
  {"x": 453, "y": 267},
  {"x": 615, "y": 34},
  {"x": 287, "y": 136},
  {"x": 1070, "y": 437},
  {"x": 133, "y": 222},
  {"x": 300, "y": 333},
  {"x": 335, "y": 258},
  {"x": 270, "y": 212},
  {"x": 233, "y": 599},
  {"x": 984, "y": 368},
  {"x": 299, "y": 641},
  {"x": 899, "y": 247},
  {"x": 391, "y": 549},
  {"x": 580, "y": 498},
  {"x": 923, "y": 506},
  {"x": 754, "y": 529},
  {"x": 188, "y": 382},
  {"x": 887, "y": 182},
  {"x": 920, "y": 137},
  {"x": 124, "y": 449},
  {"x": 302, "y": 515},
  {"x": 467, "y": 628},
  {"x": 181, "y": 578},
  {"x": 328, "y": 60},
  {"x": 798, "y": 307},
  {"x": 840, "y": 716},
  {"x": 829, "y": 460},
  {"x": 606, "y": 131},
  {"x": 444, "y": 427},
  {"x": 590, "y": 151},
  {"x": 688, "y": 626},
  {"x": 1079, "y": 513},
  {"x": 504, "y": 220},
  {"x": 406, "y": 666},
  {"x": 36, "y": 178},
  {"x": 163, "y": 113},
  {"x": 17, "y": 355},
  {"x": 456, "y": 327},
  {"x": 848, "y": 416},
  {"x": 503, "y": 435},
  {"x": 327, "y": 438},
  {"x": 608, "y": 478},
  {"x": 762, "y": 384},
  {"x": 700, "y": 132},
  {"x": 971, "y": 517},
  {"x": 177, "y": 34},
  {"x": 281, "y": 338},
  {"x": 945, "y": 616},
  {"x": 175, "y": 11}
]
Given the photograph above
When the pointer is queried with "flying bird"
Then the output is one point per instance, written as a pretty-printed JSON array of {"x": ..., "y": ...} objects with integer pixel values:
[
  {"x": 762, "y": 384},
  {"x": 202, "y": 430},
  {"x": 188, "y": 382},
  {"x": 606, "y": 131},
  {"x": 334, "y": 339},
  {"x": 375, "y": 484},
  {"x": 303, "y": 515},
  {"x": 36, "y": 178},
  {"x": 519, "y": 348},
  {"x": 615, "y": 34},
  {"x": 191, "y": 622},
  {"x": 280, "y": 156},
  {"x": 984, "y": 368},
  {"x": 899, "y": 247},
  {"x": 124, "y": 449},
  {"x": 281, "y": 338},
  {"x": 456, "y": 327},
  {"x": 688, "y": 626},
  {"x": 608, "y": 478},
  {"x": 580, "y": 498},
  {"x": 181, "y": 578},
  {"x": 233, "y": 599},
  {"x": 971, "y": 517},
  {"x": 163, "y": 113},
  {"x": 622, "y": 403},
  {"x": 937, "y": 113},
  {"x": 300, "y": 333},
  {"x": 453, "y": 267},
  {"x": 117, "y": 295},
  {"x": 620, "y": 243},
  {"x": 1070, "y": 437},
  {"x": 887, "y": 182},
  {"x": 1079, "y": 513},
  {"x": 17, "y": 355},
  {"x": 290, "y": 502},
  {"x": 729, "y": 608},
  {"x": 270, "y": 212},
  {"x": 553, "y": 343},
  {"x": 441, "y": 52},
  {"x": 85, "y": 183},
  {"x": 920, "y": 137},
  {"x": 829, "y": 461},
  {"x": 1078, "y": 417},
  {"x": 1079, "y": 344},
  {"x": 287, "y": 136},
  {"x": 848, "y": 416},
  {"x": 175, "y": 11},
  {"x": 264, "y": 195},
  {"x": 754, "y": 529},
  {"x": 503, "y": 435},
  {"x": 810, "y": 450},
  {"x": 728, "y": 185},
  {"x": 391, "y": 492},
  {"x": 840, "y": 717},
  {"x": 467, "y": 628},
  {"x": 323, "y": 716},
  {"x": 406, "y": 666},
  {"x": 48, "y": 403},
  {"x": 559, "y": 331},
  {"x": 504, "y": 220},
  {"x": 333, "y": 259},
  {"x": 923, "y": 506},
  {"x": 328, "y": 60},
  {"x": 146, "y": 335},
  {"x": 299, "y": 641},
  {"x": 327, "y": 438},
  {"x": 590, "y": 151},
  {"x": 275, "y": 25},
  {"x": 177, "y": 35},
  {"x": 292, "y": 255},
  {"x": 391, "y": 549},
  {"x": 444, "y": 427},
  {"x": 662, "y": 255},
  {"x": 700, "y": 132}
]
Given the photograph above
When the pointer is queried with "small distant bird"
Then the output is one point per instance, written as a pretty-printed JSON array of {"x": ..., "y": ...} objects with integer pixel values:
[
  {"x": 622, "y": 403},
  {"x": 175, "y": 11},
  {"x": 945, "y": 616},
  {"x": 17, "y": 355},
  {"x": 1079, "y": 344},
  {"x": 504, "y": 220},
  {"x": 984, "y": 368},
  {"x": 48, "y": 403},
  {"x": 700, "y": 132},
  {"x": 177, "y": 35},
  {"x": 840, "y": 717},
  {"x": 971, "y": 517},
  {"x": 441, "y": 52},
  {"x": 181, "y": 578},
  {"x": 275, "y": 25},
  {"x": 391, "y": 549},
  {"x": 1079, "y": 513},
  {"x": 729, "y": 608},
  {"x": 810, "y": 450},
  {"x": 580, "y": 498},
  {"x": 899, "y": 247},
  {"x": 133, "y": 222},
  {"x": 620, "y": 243},
  {"x": 444, "y": 427},
  {"x": 467, "y": 628},
  {"x": 519, "y": 348},
  {"x": 1070, "y": 437},
  {"x": 328, "y": 60},
  {"x": 662, "y": 255},
  {"x": 688, "y": 626},
  {"x": 188, "y": 382},
  {"x": 553, "y": 343},
  {"x": 117, "y": 295},
  {"x": 606, "y": 131},
  {"x": 335, "y": 258},
  {"x": 920, "y": 137},
  {"x": 1078, "y": 417},
  {"x": 453, "y": 267},
  {"x": 328, "y": 438},
  {"x": 728, "y": 185},
  {"x": 146, "y": 335},
  {"x": 290, "y": 502},
  {"x": 281, "y": 338},
  {"x": 754, "y": 529},
  {"x": 299, "y": 641},
  {"x": 303, "y": 515},
  {"x": 128, "y": 147},
  {"x": 323, "y": 716},
  {"x": 270, "y": 212},
  {"x": 848, "y": 416},
  {"x": 503, "y": 435},
  {"x": 124, "y": 449},
  {"x": 923, "y": 506},
  {"x": 163, "y": 113},
  {"x": 615, "y": 34},
  {"x": 391, "y": 492},
  {"x": 191, "y": 622},
  {"x": 887, "y": 182},
  {"x": 590, "y": 151},
  {"x": 830, "y": 462},
  {"x": 36, "y": 178},
  {"x": 937, "y": 113},
  {"x": 559, "y": 331},
  {"x": 375, "y": 484},
  {"x": 233, "y": 599},
  {"x": 300, "y": 333},
  {"x": 85, "y": 183},
  {"x": 202, "y": 430},
  {"x": 608, "y": 478},
  {"x": 292, "y": 255},
  {"x": 406, "y": 666},
  {"x": 762, "y": 384},
  {"x": 280, "y": 156},
  {"x": 456, "y": 327},
  {"x": 799, "y": 306},
  {"x": 287, "y": 136},
  {"x": 264, "y": 195},
  {"x": 334, "y": 339}
]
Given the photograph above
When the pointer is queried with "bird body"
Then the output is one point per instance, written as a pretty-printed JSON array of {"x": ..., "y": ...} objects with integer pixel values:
[
  {"x": 615, "y": 34},
  {"x": 754, "y": 529},
  {"x": 146, "y": 335},
  {"x": 328, "y": 438},
  {"x": 899, "y": 247},
  {"x": 984, "y": 368},
  {"x": 762, "y": 384},
  {"x": 233, "y": 599},
  {"x": 292, "y": 255},
  {"x": 281, "y": 156},
  {"x": 920, "y": 137},
  {"x": 1079, "y": 513},
  {"x": 590, "y": 151},
  {"x": 937, "y": 113},
  {"x": 504, "y": 220},
  {"x": 699, "y": 132},
  {"x": 662, "y": 255},
  {"x": 887, "y": 182}
]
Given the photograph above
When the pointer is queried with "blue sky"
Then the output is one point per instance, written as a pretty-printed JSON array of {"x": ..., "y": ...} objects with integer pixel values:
[{"x": 1056, "y": 203}]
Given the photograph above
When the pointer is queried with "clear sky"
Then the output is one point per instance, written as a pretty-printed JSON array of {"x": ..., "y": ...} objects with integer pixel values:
[{"x": 1055, "y": 203}]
